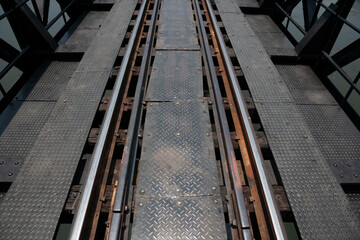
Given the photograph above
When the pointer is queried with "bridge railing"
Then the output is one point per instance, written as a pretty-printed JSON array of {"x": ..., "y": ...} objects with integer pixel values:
[
  {"x": 28, "y": 30},
  {"x": 314, "y": 36}
]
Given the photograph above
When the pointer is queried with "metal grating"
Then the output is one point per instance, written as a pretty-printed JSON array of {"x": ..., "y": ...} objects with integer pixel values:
[
  {"x": 176, "y": 76},
  {"x": 177, "y": 156}
]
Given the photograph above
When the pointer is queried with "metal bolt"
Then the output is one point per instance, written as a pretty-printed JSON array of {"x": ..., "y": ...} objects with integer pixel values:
[
  {"x": 10, "y": 174},
  {"x": 335, "y": 194},
  {"x": 177, "y": 103},
  {"x": 142, "y": 191},
  {"x": 178, "y": 190},
  {"x": 140, "y": 204},
  {"x": 210, "y": 103},
  {"x": 305, "y": 136},
  {"x": 97, "y": 133},
  {"x": 179, "y": 203},
  {"x": 278, "y": 196},
  {"x": 335, "y": 165},
  {"x": 140, "y": 136},
  {"x": 143, "y": 103},
  {"x": 16, "y": 163},
  {"x": 208, "y": 134},
  {"x": 341, "y": 175},
  {"x": 64, "y": 100},
  {"x": 216, "y": 201},
  {"x": 349, "y": 164},
  {"x": 355, "y": 175},
  {"x": 178, "y": 134},
  {"x": 214, "y": 188},
  {"x": 2, "y": 162}
]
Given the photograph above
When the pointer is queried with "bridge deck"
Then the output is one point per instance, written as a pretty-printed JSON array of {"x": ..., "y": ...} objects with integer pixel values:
[
  {"x": 314, "y": 193},
  {"x": 315, "y": 145},
  {"x": 33, "y": 204},
  {"x": 178, "y": 177}
]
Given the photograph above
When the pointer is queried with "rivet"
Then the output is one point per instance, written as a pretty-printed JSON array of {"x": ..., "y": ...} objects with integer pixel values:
[
  {"x": 177, "y": 103},
  {"x": 349, "y": 164},
  {"x": 214, "y": 188},
  {"x": 335, "y": 165},
  {"x": 305, "y": 136},
  {"x": 144, "y": 103},
  {"x": 341, "y": 175},
  {"x": 178, "y": 134},
  {"x": 216, "y": 201},
  {"x": 140, "y": 204},
  {"x": 355, "y": 175},
  {"x": 142, "y": 191},
  {"x": 210, "y": 103},
  {"x": 179, "y": 203},
  {"x": 178, "y": 190},
  {"x": 16, "y": 163},
  {"x": 208, "y": 134},
  {"x": 64, "y": 100},
  {"x": 140, "y": 136},
  {"x": 2, "y": 162},
  {"x": 148, "y": 134},
  {"x": 10, "y": 174}
]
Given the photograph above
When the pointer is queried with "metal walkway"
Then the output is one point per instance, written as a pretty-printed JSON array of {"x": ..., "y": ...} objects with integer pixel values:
[
  {"x": 178, "y": 189},
  {"x": 314, "y": 194},
  {"x": 33, "y": 205}
]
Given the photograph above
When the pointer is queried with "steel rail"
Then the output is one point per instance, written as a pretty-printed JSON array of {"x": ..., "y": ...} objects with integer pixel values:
[
  {"x": 104, "y": 135},
  {"x": 276, "y": 222},
  {"x": 240, "y": 206},
  {"x": 129, "y": 154}
]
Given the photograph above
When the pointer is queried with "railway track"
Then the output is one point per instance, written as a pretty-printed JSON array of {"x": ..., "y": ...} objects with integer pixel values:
[{"x": 113, "y": 197}]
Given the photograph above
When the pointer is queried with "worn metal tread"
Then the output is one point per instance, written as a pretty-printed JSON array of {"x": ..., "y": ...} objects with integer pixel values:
[
  {"x": 188, "y": 83},
  {"x": 313, "y": 192},
  {"x": 33, "y": 205}
]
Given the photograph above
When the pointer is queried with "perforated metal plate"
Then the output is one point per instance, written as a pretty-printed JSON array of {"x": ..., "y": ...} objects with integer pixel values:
[
  {"x": 304, "y": 85},
  {"x": 176, "y": 76},
  {"x": 178, "y": 157},
  {"x": 174, "y": 218}
]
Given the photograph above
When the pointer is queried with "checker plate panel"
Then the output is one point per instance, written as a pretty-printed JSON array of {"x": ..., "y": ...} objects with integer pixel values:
[
  {"x": 313, "y": 192},
  {"x": 178, "y": 157},
  {"x": 165, "y": 218},
  {"x": 176, "y": 75}
]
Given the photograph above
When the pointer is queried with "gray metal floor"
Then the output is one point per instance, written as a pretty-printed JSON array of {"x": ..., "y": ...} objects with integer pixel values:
[
  {"x": 34, "y": 202},
  {"x": 320, "y": 207},
  {"x": 272, "y": 38},
  {"x": 178, "y": 188}
]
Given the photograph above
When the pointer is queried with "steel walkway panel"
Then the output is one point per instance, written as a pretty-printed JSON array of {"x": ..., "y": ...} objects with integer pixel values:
[
  {"x": 313, "y": 192},
  {"x": 178, "y": 183},
  {"x": 185, "y": 218},
  {"x": 304, "y": 86},
  {"x": 178, "y": 157},
  {"x": 34, "y": 202},
  {"x": 176, "y": 75},
  {"x": 47, "y": 86},
  {"x": 337, "y": 138},
  {"x": 177, "y": 29}
]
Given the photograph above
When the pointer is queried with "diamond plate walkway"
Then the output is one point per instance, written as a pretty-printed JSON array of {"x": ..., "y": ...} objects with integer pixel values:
[
  {"x": 178, "y": 190},
  {"x": 320, "y": 206}
]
